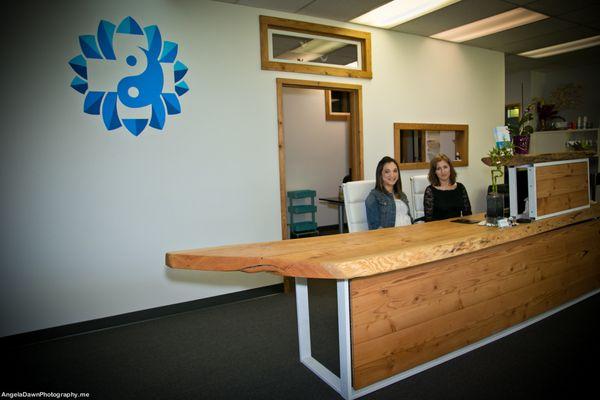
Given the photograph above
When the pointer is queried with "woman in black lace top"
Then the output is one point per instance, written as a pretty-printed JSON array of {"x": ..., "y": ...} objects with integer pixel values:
[{"x": 444, "y": 198}]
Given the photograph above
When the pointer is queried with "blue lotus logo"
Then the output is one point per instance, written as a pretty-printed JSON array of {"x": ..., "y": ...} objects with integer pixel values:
[{"x": 129, "y": 76}]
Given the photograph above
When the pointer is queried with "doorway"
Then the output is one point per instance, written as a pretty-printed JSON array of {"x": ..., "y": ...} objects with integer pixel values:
[{"x": 355, "y": 142}]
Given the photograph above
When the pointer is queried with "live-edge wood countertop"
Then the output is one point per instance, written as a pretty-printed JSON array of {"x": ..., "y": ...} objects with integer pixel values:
[
  {"x": 367, "y": 253},
  {"x": 524, "y": 159}
]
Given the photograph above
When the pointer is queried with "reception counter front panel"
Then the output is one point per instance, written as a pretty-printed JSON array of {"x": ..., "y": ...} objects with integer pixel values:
[
  {"x": 561, "y": 186},
  {"x": 405, "y": 318}
]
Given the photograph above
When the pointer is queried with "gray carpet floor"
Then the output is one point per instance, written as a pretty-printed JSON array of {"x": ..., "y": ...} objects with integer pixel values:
[{"x": 249, "y": 350}]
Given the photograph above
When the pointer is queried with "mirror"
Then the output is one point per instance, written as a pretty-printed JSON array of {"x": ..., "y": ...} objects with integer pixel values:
[{"x": 416, "y": 144}]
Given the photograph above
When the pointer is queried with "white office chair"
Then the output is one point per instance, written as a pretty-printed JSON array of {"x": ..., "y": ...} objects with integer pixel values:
[
  {"x": 355, "y": 194},
  {"x": 418, "y": 184}
]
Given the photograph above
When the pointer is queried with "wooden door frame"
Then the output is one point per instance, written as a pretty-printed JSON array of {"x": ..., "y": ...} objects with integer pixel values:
[{"x": 355, "y": 126}]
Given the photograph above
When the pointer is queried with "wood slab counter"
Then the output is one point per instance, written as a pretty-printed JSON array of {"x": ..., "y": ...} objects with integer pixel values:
[
  {"x": 360, "y": 254},
  {"x": 412, "y": 297},
  {"x": 523, "y": 159}
]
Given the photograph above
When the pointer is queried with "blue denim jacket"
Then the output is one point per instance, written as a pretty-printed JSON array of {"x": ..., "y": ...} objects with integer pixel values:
[{"x": 381, "y": 209}]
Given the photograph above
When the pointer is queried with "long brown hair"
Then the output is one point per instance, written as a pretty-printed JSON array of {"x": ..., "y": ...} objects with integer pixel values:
[
  {"x": 433, "y": 178},
  {"x": 379, "y": 176}
]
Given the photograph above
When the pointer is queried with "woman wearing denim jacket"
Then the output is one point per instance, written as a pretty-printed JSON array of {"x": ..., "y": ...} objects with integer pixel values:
[{"x": 387, "y": 206}]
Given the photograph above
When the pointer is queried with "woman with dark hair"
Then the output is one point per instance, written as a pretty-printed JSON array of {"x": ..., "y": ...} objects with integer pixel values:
[
  {"x": 444, "y": 197},
  {"x": 387, "y": 205}
]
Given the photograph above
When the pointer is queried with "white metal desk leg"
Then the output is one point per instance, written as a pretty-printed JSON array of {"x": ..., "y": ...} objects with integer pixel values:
[
  {"x": 512, "y": 191},
  {"x": 306, "y": 358},
  {"x": 343, "y": 302},
  {"x": 302, "y": 313}
]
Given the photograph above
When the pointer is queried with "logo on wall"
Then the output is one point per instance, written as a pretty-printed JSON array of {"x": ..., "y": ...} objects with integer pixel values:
[{"x": 129, "y": 76}]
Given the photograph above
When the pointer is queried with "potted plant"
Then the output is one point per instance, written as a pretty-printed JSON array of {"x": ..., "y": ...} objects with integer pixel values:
[
  {"x": 521, "y": 130},
  {"x": 546, "y": 114},
  {"x": 494, "y": 199}
]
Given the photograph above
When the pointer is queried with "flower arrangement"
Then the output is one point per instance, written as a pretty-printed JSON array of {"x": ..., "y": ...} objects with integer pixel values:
[{"x": 546, "y": 113}]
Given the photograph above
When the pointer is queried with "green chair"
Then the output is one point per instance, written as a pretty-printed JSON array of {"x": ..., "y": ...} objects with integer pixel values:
[{"x": 297, "y": 205}]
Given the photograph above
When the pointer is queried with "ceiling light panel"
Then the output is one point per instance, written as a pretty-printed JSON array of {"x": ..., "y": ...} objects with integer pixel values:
[
  {"x": 399, "y": 11},
  {"x": 563, "y": 48},
  {"x": 461, "y": 13},
  {"x": 487, "y": 26},
  {"x": 542, "y": 40}
]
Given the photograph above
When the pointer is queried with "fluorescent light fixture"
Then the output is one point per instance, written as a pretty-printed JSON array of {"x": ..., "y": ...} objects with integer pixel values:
[
  {"x": 487, "y": 26},
  {"x": 399, "y": 11},
  {"x": 563, "y": 48}
]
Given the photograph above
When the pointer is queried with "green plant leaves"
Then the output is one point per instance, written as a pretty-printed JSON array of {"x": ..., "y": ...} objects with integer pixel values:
[{"x": 497, "y": 157}]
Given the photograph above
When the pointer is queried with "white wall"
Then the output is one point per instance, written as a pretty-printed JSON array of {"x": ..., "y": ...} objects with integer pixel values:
[
  {"x": 316, "y": 150},
  {"x": 418, "y": 79},
  {"x": 88, "y": 215}
]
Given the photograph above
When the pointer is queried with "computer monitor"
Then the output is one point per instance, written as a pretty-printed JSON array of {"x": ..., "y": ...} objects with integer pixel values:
[{"x": 522, "y": 189}]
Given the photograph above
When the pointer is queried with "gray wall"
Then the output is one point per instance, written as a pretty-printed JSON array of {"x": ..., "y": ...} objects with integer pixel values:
[{"x": 541, "y": 83}]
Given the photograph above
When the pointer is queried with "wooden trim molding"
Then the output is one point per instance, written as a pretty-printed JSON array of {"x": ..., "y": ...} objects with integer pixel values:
[
  {"x": 363, "y": 38},
  {"x": 281, "y": 147},
  {"x": 461, "y": 143}
]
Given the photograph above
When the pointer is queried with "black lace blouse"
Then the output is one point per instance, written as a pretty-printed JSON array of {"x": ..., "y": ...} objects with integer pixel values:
[{"x": 442, "y": 204}]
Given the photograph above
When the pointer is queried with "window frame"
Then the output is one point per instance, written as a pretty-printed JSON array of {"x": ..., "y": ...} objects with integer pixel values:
[
  {"x": 295, "y": 27},
  {"x": 333, "y": 115},
  {"x": 461, "y": 143}
]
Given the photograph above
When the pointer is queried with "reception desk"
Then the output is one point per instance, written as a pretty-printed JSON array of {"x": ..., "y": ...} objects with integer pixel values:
[{"x": 412, "y": 297}]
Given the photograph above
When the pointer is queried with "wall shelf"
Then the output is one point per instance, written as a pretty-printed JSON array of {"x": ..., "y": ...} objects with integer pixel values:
[
  {"x": 556, "y": 140},
  {"x": 569, "y": 130}
]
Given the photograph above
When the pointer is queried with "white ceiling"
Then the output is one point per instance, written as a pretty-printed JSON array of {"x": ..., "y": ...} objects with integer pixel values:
[{"x": 569, "y": 20}]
